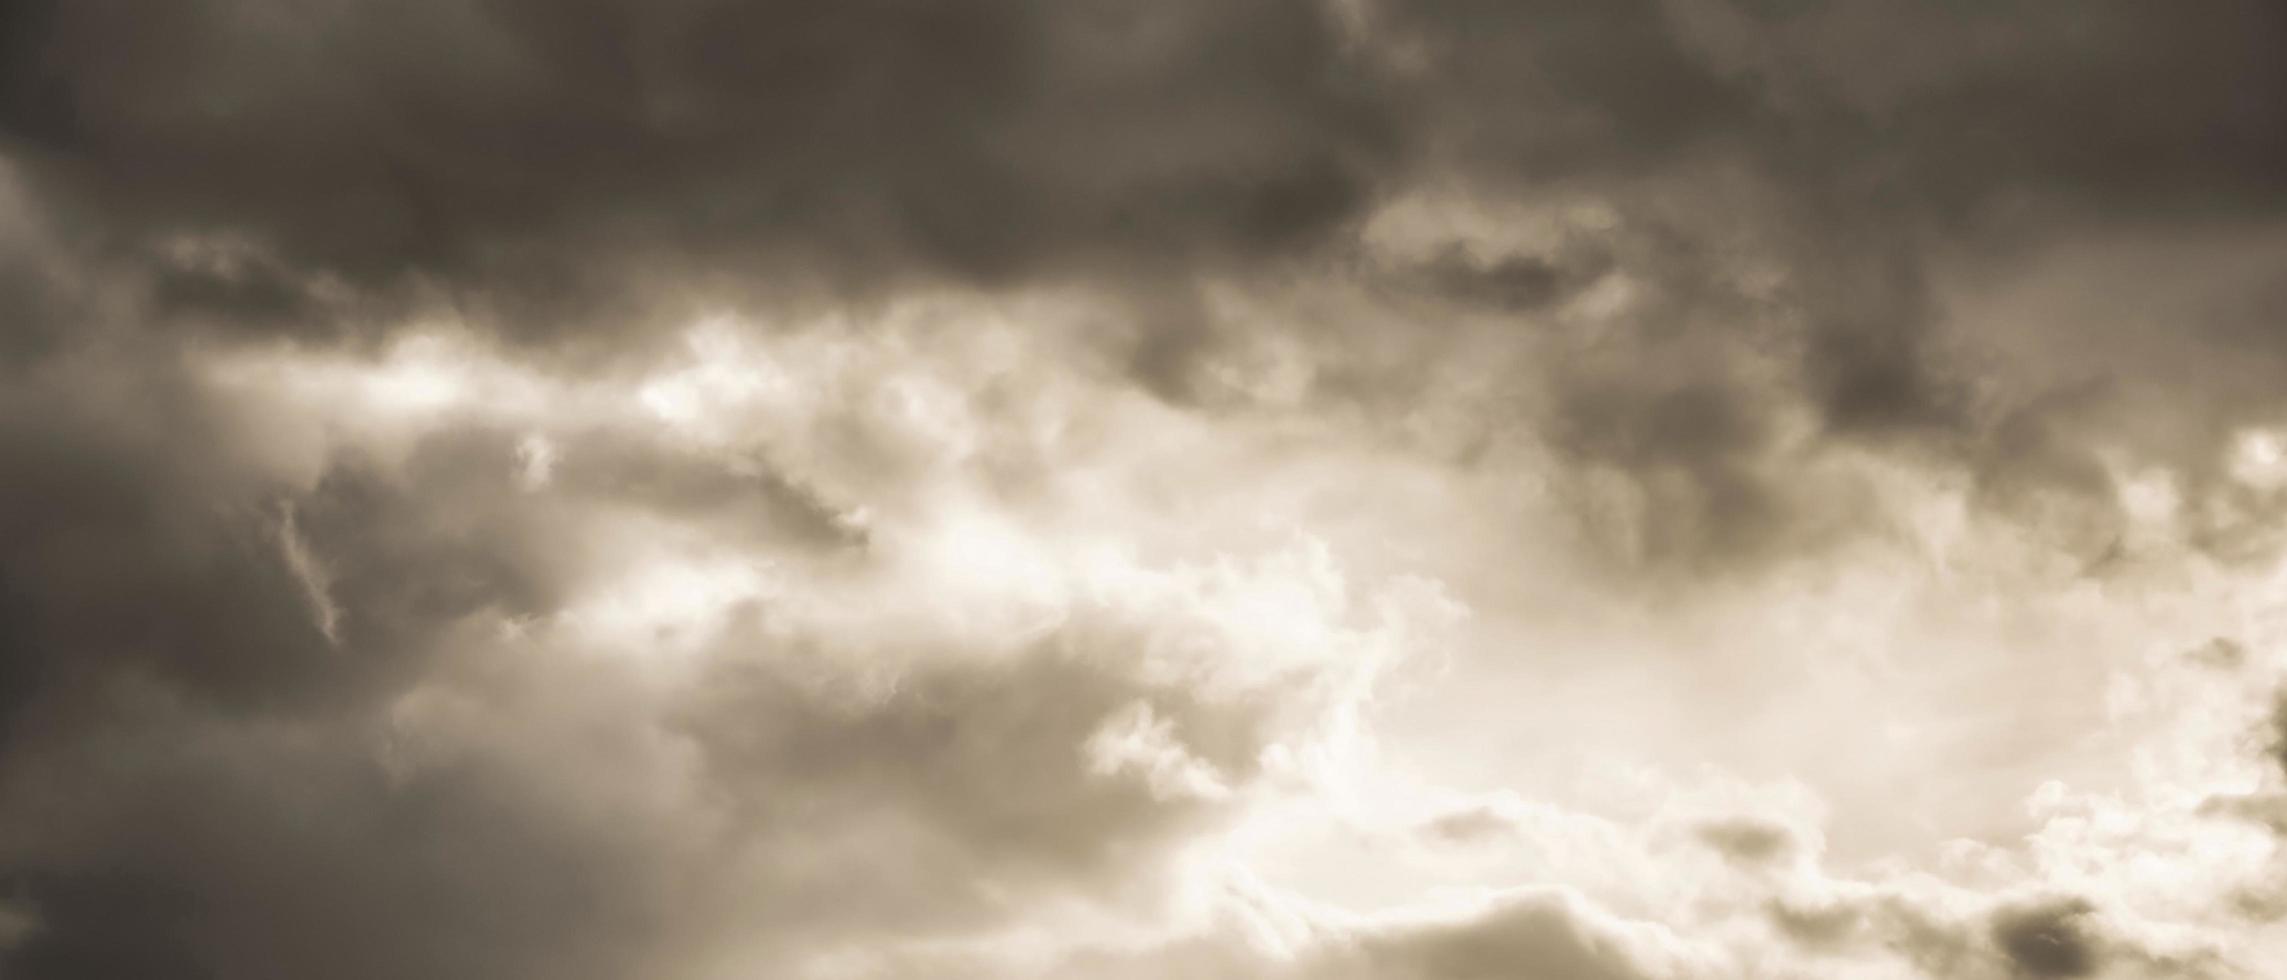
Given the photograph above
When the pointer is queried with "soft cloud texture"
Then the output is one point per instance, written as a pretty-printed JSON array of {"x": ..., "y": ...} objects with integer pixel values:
[{"x": 1326, "y": 490}]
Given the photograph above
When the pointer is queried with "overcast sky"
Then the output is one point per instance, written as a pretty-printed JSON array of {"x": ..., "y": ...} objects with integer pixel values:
[{"x": 1141, "y": 489}]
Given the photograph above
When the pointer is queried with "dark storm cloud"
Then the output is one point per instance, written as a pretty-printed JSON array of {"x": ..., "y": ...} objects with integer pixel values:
[
  {"x": 1748, "y": 840},
  {"x": 2049, "y": 937},
  {"x": 547, "y": 163},
  {"x": 138, "y": 538},
  {"x": 511, "y": 152},
  {"x": 1916, "y": 134},
  {"x": 1528, "y": 934},
  {"x": 1510, "y": 283},
  {"x": 2275, "y": 733},
  {"x": 119, "y": 924},
  {"x": 2119, "y": 106},
  {"x": 443, "y": 537},
  {"x": 204, "y": 849},
  {"x": 134, "y": 545},
  {"x": 205, "y": 631},
  {"x": 2160, "y": 348},
  {"x": 2048, "y": 940},
  {"x": 1816, "y": 926},
  {"x": 1868, "y": 154},
  {"x": 1547, "y": 91},
  {"x": 189, "y": 771}
]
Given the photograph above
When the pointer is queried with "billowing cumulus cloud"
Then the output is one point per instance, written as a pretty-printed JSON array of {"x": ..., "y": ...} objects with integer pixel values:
[{"x": 1301, "y": 489}]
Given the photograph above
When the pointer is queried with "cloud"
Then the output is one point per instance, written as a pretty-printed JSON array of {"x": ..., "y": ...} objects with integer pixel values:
[
  {"x": 492, "y": 713},
  {"x": 1528, "y": 932},
  {"x": 1310, "y": 489},
  {"x": 533, "y": 160},
  {"x": 631, "y": 166},
  {"x": 1747, "y": 840},
  {"x": 2047, "y": 940}
]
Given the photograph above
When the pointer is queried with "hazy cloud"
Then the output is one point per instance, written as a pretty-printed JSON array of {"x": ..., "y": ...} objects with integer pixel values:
[{"x": 1312, "y": 489}]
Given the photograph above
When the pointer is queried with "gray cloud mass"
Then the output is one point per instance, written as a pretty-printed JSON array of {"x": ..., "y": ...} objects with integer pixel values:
[{"x": 703, "y": 489}]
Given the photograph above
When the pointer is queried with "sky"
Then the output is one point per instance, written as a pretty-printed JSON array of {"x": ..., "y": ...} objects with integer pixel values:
[{"x": 1207, "y": 489}]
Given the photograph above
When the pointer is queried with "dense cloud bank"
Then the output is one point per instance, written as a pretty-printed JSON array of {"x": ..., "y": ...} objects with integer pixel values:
[{"x": 1320, "y": 490}]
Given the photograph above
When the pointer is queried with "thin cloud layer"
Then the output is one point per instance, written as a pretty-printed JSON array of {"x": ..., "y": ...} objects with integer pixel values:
[{"x": 1685, "y": 490}]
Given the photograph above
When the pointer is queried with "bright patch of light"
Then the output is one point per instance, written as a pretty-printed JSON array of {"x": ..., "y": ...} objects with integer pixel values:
[
  {"x": 536, "y": 461},
  {"x": 416, "y": 383},
  {"x": 421, "y": 374},
  {"x": 995, "y": 577},
  {"x": 669, "y": 604},
  {"x": 722, "y": 379},
  {"x": 2259, "y": 459},
  {"x": 312, "y": 574},
  {"x": 1138, "y": 741}
]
